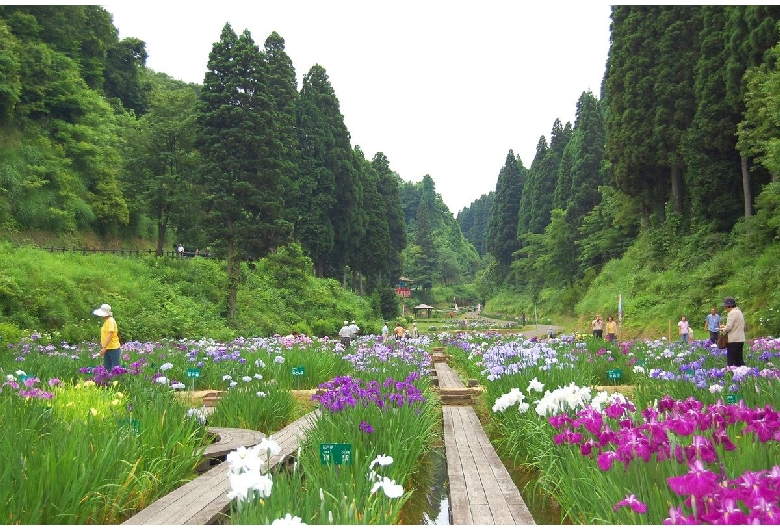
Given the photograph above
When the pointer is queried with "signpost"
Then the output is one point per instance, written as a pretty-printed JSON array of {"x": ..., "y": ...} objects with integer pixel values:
[
  {"x": 297, "y": 373},
  {"x": 194, "y": 373},
  {"x": 336, "y": 454}
]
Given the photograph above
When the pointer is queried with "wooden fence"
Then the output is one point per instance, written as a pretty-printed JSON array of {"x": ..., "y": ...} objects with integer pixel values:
[{"x": 131, "y": 252}]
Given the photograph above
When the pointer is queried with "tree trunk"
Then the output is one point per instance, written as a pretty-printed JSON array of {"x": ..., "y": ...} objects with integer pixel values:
[
  {"x": 746, "y": 188},
  {"x": 677, "y": 201},
  {"x": 232, "y": 279},
  {"x": 162, "y": 230}
]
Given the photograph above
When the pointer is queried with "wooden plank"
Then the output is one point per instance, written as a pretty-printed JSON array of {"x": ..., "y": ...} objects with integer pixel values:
[
  {"x": 204, "y": 499},
  {"x": 481, "y": 489}
]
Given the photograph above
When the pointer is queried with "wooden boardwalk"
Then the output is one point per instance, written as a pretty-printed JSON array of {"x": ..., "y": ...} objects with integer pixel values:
[
  {"x": 451, "y": 388},
  {"x": 229, "y": 439},
  {"x": 204, "y": 500},
  {"x": 481, "y": 489}
]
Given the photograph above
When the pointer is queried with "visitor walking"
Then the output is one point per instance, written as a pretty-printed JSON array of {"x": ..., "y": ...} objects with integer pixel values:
[
  {"x": 353, "y": 331},
  {"x": 399, "y": 331},
  {"x": 345, "y": 333},
  {"x": 712, "y": 324},
  {"x": 684, "y": 327},
  {"x": 598, "y": 327},
  {"x": 110, "y": 348},
  {"x": 415, "y": 332},
  {"x": 735, "y": 328},
  {"x": 385, "y": 332}
]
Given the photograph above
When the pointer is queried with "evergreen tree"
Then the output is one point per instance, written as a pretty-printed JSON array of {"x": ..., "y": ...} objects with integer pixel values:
[
  {"x": 328, "y": 182},
  {"x": 387, "y": 187},
  {"x": 475, "y": 219},
  {"x": 242, "y": 156},
  {"x": 502, "y": 239},
  {"x": 283, "y": 90},
  {"x": 710, "y": 158},
  {"x": 629, "y": 92}
]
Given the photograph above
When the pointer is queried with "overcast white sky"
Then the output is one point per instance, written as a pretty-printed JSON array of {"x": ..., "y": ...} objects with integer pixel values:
[{"x": 444, "y": 89}]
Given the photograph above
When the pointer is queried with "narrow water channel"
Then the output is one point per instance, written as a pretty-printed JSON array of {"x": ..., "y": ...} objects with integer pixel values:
[{"x": 429, "y": 505}]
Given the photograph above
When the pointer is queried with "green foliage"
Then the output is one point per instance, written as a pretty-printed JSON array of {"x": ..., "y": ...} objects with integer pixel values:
[{"x": 163, "y": 297}]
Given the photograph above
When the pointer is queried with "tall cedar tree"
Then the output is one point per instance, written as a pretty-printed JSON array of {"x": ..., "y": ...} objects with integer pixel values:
[
  {"x": 328, "y": 187},
  {"x": 676, "y": 53},
  {"x": 242, "y": 156},
  {"x": 629, "y": 93},
  {"x": 373, "y": 248},
  {"x": 475, "y": 219},
  {"x": 283, "y": 89},
  {"x": 753, "y": 32},
  {"x": 712, "y": 163},
  {"x": 387, "y": 186},
  {"x": 580, "y": 175},
  {"x": 502, "y": 239},
  {"x": 535, "y": 205}
]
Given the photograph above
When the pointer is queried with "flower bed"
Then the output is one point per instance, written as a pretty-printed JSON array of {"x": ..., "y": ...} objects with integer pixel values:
[
  {"x": 695, "y": 442},
  {"x": 64, "y": 416}
]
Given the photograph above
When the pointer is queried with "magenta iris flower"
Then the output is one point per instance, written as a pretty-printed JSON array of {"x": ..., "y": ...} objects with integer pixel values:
[
  {"x": 366, "y": 427},
  {"x": 676, "y": 516},
  {"x": 633, "y": 503},
  {"x": 699, "y": 481}
]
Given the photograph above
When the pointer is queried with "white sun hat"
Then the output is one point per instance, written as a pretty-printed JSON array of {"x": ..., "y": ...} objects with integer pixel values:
[{"x": 103, "y": 311}]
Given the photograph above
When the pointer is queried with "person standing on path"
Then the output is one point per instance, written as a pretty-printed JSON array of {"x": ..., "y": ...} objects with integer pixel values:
[
  {"x": 735, "y": 327},
  {"x": 385, "y": 332},
  {"x": 415, "y": 331},
  {"x": 110, "y": 348},
  {"x": 399, "y": 331},
  {"x": 611, "y": 329},
  {"x": 598, "y": 327},
  {"x": 684, "y": 326},
  {"x": 712, "y": 324}
]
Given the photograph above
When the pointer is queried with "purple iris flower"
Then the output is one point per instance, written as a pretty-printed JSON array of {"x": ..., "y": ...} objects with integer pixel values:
[
  {"x": 699, "y": 481},
  {"x": 633, "y": 503}
]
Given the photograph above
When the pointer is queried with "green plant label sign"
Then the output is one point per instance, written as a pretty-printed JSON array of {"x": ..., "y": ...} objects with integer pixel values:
[
  {"x": 297, "y": 370},
  {"x": 130, "y": 423},
  {"x": 614, "y": 374},
  {"x": 336, "y": 453},
  {"x": 733, "y": 399},
  {"x": 193, "y": 372}
]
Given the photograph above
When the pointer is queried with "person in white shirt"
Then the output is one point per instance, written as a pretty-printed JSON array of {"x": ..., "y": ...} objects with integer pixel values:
[{"x": 344, "y": 334}]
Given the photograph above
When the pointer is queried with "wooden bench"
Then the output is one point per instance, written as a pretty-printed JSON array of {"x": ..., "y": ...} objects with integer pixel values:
[
  {"x": 204, "y": 500},
  {"x": 481, "y": 489}
]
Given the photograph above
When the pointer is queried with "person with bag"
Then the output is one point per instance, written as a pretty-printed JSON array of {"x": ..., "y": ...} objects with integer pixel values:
[
  {"x": 735, "y": 329},
  {"x": 109, "y": 337}
]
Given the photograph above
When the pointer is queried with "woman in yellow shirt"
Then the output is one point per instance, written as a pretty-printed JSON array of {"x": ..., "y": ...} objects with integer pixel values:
[
  {"x": 109, "y": 337},
  {"x": 611, "y": 328}
]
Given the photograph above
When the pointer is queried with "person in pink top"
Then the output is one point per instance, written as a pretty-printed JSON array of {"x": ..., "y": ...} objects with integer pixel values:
[{"x": 685, "y": 327}]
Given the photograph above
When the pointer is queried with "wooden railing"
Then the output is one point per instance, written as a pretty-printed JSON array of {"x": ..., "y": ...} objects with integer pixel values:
[{"x": 131, "y": 252}]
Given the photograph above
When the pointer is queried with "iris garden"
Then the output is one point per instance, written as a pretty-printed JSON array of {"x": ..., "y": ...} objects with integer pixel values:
[{"x": 640, "y": 432}]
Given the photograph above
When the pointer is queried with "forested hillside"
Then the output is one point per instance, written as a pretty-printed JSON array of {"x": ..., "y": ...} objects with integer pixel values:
[
  {"x": 95, "y": 143},
  {"x": 671, "y": 173},
  {"x": 662, "y": 191}
]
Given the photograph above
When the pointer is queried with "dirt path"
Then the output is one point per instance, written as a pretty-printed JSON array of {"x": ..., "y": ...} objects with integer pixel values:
[{"x": 530, "y": 330}]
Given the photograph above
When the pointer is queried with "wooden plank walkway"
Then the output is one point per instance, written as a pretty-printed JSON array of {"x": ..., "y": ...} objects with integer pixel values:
[
  {"x": 481, "y": 489},
  {"x": 448, "y": 378},
  {"x": 204, "y": 500}
]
